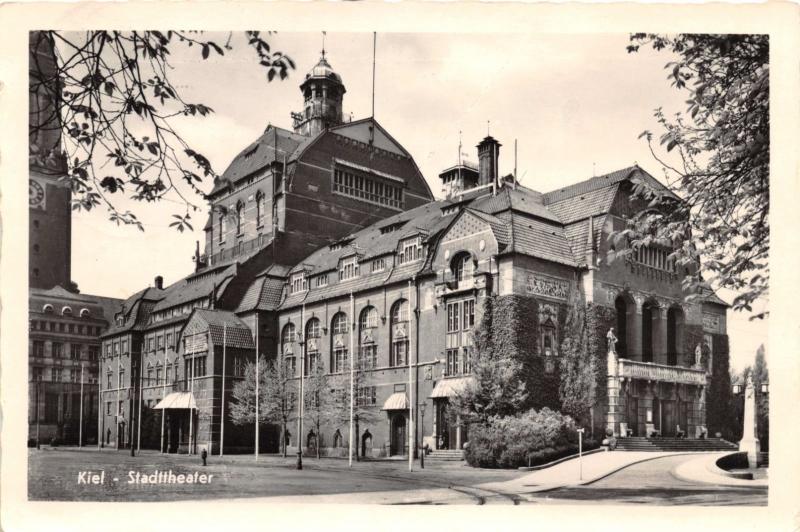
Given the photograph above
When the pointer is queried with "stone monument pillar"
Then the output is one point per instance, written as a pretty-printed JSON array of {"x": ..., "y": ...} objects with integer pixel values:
[
  {"x": 750, "y": 443},
  {"x": 613, "y": 411}
]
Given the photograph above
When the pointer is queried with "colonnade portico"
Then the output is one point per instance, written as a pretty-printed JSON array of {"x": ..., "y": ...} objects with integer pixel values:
[{"x": 633, "y": 311}]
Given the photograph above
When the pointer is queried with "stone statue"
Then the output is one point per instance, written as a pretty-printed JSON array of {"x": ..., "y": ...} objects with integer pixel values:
[
  {"x": 612, "y": 341},
  {"x": 698, "y": 356},
  {"x": 749, "y": 442}
]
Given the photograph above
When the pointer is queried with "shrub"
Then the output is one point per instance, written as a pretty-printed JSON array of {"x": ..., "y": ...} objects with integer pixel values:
[
  {"x": 55, "y": 442},
  {"x": 512, "y": 441}
]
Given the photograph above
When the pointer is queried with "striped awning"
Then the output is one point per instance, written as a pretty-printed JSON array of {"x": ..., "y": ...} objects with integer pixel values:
[
  {"x": 177, "y": 401},
  {"x": 396, "y": 401},
  {"x": 450, "y": 387}
]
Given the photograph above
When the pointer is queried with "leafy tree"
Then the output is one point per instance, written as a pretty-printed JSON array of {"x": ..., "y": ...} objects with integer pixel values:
[
  {"x": 111, "y": 94},
  {"x": 498, "y": 388},
  {"x": 319, "y": 404},
  {"x": 578, "y": 387},
  {"x": 242, "y": 410},
  {"x": 722, "y": 171},
  {"x": 280, "y": 396}
]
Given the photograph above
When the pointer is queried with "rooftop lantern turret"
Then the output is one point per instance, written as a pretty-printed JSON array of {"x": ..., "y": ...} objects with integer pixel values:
[{"x": 323, "y": 92}]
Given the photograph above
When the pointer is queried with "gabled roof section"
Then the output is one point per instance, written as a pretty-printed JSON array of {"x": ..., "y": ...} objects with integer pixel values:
[
  {"x": 578, "y": 236},
  {"x": 592, "y": 203},
  {"x": 264, "y": 293},
  {"x": 223, "y": 325},
  {"x": 273, "y": 146},
  {"x": 137, "y": 308},
  {"x": 360, "y": 131}
]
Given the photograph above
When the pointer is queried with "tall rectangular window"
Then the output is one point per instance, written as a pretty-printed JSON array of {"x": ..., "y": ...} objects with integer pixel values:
[
  {"x": 55, "y": 374},
  {"x": 340, "y": 361},
  {"x": 410, "y": 251},
  {"x": 75, "y": 351},
  {"x": 348, "y": 269},
  {"x": 38, "y": 348},
  {"x": 58, "y": 350},
  {"x": 368, "y": 188}
]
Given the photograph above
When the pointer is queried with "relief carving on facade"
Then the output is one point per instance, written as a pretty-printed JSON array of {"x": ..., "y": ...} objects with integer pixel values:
[{"x": 546, "y": 286}]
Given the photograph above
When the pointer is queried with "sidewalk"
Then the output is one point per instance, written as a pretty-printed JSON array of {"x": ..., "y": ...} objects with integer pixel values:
[
  {"x": 595, "y": 466},
  {"x": 702, "y": 470}
]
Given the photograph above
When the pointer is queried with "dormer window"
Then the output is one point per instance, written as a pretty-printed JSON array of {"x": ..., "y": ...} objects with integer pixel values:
[
  {"x": 66, "y": 311},
  {"x": 47, "y": 309},
  {"x": 321, "y": 280},
  {"x": 298, "y": 282},
  {"x": 461, "y": 266},
  {"x": 378, "y": 265},
  {"x": 348, "y": 269},
  {"x": 410, "y": 251},
  {"x": 84, "y": 313}
]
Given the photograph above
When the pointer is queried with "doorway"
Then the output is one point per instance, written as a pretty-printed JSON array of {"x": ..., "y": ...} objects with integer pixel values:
[
  {"x": 669, "y": 418},
  {"x": 398, "y": 440},
  {"x": 632, "y": 414}
]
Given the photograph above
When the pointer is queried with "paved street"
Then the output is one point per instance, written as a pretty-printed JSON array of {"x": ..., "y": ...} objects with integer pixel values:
[
  {"x": 55, "y": 475},
  {"x": 654, "y": 482}
]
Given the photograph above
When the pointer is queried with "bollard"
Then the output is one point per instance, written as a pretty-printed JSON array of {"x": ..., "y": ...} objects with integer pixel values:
[{"x": 204, "y": 455}]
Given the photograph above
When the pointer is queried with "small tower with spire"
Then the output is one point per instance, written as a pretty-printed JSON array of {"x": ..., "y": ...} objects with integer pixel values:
[{"x": 323, "y": 93}]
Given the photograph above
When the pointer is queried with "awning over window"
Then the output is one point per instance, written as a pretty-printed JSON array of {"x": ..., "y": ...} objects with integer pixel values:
[
  {"x": 396, "y": 401},
  {"x": 177, "y": 401},
  {"x": 450, "y": 387}
]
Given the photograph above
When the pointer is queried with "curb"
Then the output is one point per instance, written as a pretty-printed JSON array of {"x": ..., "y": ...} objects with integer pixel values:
[
  {"x": 560, "y": 460},
  {"x": 604, "y": 475}
]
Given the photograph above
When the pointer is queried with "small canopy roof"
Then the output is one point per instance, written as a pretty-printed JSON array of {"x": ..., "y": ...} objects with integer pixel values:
[
  {"x": 450, "y": 387},
  {"x": 396, "y": 401},
  {"x": 177, "y": 401}
]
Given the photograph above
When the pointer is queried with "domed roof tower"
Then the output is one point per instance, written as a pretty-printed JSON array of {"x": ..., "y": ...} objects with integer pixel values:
[{"x": 323, "y": 93}]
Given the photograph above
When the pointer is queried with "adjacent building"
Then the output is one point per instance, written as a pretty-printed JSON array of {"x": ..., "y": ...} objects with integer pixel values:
[{"x": 64, "y": 325}]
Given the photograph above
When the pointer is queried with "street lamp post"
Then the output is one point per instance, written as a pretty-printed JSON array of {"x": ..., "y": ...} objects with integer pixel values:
[
  {"x": 580, "y": 454},
  {"x": 422, "y": 435}
]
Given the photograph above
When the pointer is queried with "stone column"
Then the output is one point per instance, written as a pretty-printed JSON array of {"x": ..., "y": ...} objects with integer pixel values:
[
  {"x": 458, "y": 431},
  {"x": 750, "y": 443},
  {"x": 635, "y": 330},
  {"x": 660, "y": 335}
]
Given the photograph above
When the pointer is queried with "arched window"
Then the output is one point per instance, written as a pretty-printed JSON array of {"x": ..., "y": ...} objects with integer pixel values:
[
  {"x": 339, "y": 343},
  {"x": 260, "y": 203},
  {"x": 461, "y": 266},
  {"x": 66, "y": 311},
  {"x": 398, "y": 330},
  {"x": 239, "y": 217},
  {"x": 368, "y": 351},
  {"x": 312, "y": 345},
  {"x": 47, "y": 309},
  {"x": 223, "y": 225},
  {"x": 287, "y": 347},
  {"x": 84, "y": 313}
]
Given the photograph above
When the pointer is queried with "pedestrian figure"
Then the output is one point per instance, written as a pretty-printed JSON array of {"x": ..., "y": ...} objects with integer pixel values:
[{"x": 204, "y": 455}]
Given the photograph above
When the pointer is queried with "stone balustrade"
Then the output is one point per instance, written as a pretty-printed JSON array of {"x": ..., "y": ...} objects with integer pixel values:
[{"x": 632, "y": 369}]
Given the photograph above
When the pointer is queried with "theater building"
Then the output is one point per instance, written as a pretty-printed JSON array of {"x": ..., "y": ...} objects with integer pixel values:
[{"x": 325, "y": 248}]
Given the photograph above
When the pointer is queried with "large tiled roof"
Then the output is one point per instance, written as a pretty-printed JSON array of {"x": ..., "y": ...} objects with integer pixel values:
[
  {"x": 578, "y": 236},
  {"x": 543, "y": 240},
  {"x": 264, "y": 293},
  {"x": 273, "y": 145},
  {"x": 196, "y": 286},
  {"x": 137, "y": 310},
  {"x": 579, "y": 207}
]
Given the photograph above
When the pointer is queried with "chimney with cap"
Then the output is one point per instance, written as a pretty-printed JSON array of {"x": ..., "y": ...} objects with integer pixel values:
[
  {"x": 488, "y": 155},
  {"x": 159, "y": 282}
]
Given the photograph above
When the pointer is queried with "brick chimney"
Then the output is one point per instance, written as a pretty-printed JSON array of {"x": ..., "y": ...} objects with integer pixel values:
[
  {"x": 159, "y": 282},
  {"x": 488, "y": 156}
]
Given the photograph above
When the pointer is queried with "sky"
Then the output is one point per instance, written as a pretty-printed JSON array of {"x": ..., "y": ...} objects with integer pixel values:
[{"x": 575, "y": 103}]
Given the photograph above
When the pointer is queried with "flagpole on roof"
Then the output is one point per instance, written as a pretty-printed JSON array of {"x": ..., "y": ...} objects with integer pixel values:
[{"x": 222, "y": 407}]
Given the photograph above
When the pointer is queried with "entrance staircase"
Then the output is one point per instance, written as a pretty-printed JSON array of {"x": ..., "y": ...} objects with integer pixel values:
[
  {"x": 450, "y": 455},
  {"x": 674, "y": 444}
]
